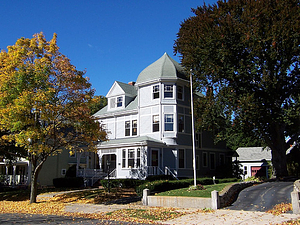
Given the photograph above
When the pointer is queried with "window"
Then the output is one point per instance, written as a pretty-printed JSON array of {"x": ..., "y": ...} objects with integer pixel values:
[
  {"x": 180, "y": 123},
  {"x": 123, "y": 158},
  {"x": 169, "y": 122},
  {"x": 204, "y": 158},
  {"x": 119, "y": 101},
  {"x": 155, "y": 91},
  {"x": 245, "y": 170},
  {"x": 131, "y": 158},
  {"x": 155, "y": 123},
  {"x": 138, "y": 160},
  {"x": 181, "y": 158},
  {"x": 179, "y": 92},
  {"x": 168, "y": 91},
  {"x": 112, "y": 103},
  {"x": 134, "y": 127},
  {"x": 212, "y": 161},
  {"x": 127, "y": 128}
]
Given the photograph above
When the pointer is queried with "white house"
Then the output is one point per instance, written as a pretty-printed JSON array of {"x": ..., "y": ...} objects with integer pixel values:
[{"x": 148, "y": 123}]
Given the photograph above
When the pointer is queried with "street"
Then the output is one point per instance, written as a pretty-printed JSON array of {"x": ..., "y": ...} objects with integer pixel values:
[
  {"x": 9, "y": 218},
  {"x": 263, "y": 197}
]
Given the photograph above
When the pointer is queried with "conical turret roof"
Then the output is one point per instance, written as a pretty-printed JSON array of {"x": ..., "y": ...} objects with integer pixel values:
[{"x": 164, "y": 67}]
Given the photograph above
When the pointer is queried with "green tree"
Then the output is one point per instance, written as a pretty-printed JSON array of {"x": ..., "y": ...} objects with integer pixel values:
[
  {"x": 97, "y": 103},
  {"x": 44, "y": 103},
  {"x": 244, "y": 54}
]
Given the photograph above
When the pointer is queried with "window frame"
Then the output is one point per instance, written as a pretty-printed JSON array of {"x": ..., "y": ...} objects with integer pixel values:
[
  {"x": 181, "y": 125},
  {"x": 119, "y": 102},
  {"x": 181, "y": 159},
  {"x": 168, "y": 91},
  {"x": 170, "y": 123},
  {"x": 155, "y": 123},
  {"x": 134, "y": 127},
  {"x": 180, "y": 92},
  {"x": 155, "y": 91},
  {"x": 127, "y": 128}
]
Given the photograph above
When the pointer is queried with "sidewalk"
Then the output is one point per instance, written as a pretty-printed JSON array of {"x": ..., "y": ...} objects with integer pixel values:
[
  {"x": 221, "y": 216},
  {"x": 217, "y": 217}
]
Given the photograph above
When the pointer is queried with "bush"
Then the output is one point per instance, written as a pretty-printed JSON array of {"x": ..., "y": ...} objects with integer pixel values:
[
  {"x": 69, "y": 182},
  {"x": 159, "y": 177},
  {"x": 124, "y": 183}
]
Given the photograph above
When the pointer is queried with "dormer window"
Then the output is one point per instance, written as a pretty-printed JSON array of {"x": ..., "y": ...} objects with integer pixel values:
[
  {"x": 168, "y": 91},
  {"x": 119, "y": 101}
]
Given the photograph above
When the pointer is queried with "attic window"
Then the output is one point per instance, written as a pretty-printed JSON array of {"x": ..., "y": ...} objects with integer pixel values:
[{"x": 119, "y": 101}]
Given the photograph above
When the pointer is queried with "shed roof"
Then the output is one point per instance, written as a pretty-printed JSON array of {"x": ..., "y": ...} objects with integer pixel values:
[{"x": 254, "y": 153}]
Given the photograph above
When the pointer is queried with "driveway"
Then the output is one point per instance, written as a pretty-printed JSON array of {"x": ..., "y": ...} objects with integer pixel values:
[{"x": 263, "y": 197}]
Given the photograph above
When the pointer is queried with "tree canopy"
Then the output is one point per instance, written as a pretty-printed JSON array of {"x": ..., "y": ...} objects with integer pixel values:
[
  {"x": 44, "y": 102},
  {"x": 244, "y": 54}
]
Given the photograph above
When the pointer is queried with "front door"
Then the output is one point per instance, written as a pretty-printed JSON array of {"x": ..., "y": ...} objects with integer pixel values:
[{"x": 154, "y": 158}]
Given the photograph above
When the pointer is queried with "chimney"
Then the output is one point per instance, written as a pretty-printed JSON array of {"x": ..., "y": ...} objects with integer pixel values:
[{"x": 132, "y": 83}]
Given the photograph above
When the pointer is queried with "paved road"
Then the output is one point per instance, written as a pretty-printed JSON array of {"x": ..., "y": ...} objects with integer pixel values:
[
  {"x": 263, "y": 197},
  {"x": 13, "y": 218}
]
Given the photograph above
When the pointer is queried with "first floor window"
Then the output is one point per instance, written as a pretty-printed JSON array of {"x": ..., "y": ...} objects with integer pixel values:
[
  {"x": 169, "y": 122},
  {"x": 181, "y": 158},
  {"x": 123, "y": 158},
  {"x": 155, "y": 127},
  {"x": 131, "y": 158}
]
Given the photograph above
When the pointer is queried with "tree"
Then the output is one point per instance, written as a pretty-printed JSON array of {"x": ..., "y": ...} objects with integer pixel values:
[
  {"x": 245, "y": 54},
  {"x": 44, "y": 103},
  {"x": 97, "y": 103}
]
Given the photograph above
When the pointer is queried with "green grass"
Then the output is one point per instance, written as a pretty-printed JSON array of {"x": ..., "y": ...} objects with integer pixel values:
[{"x": 186, "y": 192}]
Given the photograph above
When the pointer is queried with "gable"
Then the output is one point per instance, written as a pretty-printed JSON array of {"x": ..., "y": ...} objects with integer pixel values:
[{"x": 115, "y": 90}]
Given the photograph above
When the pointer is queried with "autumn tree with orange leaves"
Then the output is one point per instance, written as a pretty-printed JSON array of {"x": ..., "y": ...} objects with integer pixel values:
[{"x": 44, "y": 103}]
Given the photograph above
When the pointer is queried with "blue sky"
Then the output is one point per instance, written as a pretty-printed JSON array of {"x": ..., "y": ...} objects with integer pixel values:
[{"x": 110, "y": 39}]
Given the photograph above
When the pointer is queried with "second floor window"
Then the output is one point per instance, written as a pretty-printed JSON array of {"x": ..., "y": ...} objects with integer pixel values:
[
  {"x": 168, "y": 91},
  {"x": 155, "y": 91},
  {"x": 155, "y": 126},
  {"x": 127, "y": 128},
  {"x": 169, "y": 122},
  {"x": 180, "y": 123},
  {"x": 134, "y": 127}
]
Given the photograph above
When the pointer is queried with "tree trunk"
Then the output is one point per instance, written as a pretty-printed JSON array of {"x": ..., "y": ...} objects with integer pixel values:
[
  {"x": 34, "y": 177},
  {"x": 279, "y": 162}
]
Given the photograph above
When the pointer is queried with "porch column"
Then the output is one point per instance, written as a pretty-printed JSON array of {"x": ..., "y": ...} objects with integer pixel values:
[
  {"x": 6, "y": 175},
  {"x": 14, "y": 175}
]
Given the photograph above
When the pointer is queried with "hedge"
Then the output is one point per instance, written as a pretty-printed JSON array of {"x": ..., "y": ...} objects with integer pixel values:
[
  {"x": 124, "y": 183},
  {"x": 68, "y": 182}
]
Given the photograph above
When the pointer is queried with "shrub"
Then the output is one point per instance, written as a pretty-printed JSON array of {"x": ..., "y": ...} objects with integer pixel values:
[
  {"x": 124, "y": 183},
  {"x": 75, "y": 182}
]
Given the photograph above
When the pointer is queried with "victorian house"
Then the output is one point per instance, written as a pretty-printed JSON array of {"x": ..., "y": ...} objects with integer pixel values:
[{"x": 148, "y": 123}]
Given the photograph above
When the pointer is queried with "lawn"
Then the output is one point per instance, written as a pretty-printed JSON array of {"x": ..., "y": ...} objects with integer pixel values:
[{"x": 189, "y": 192}]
